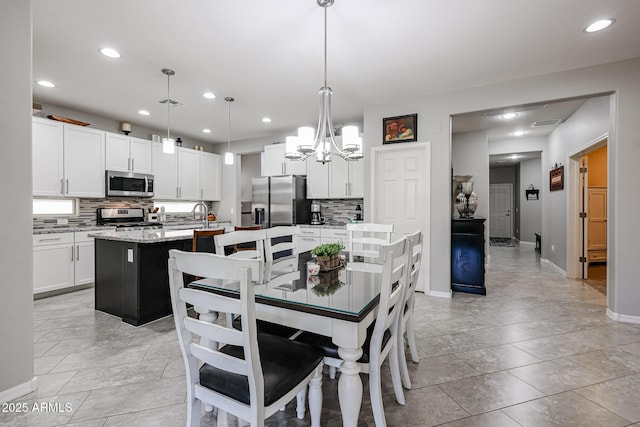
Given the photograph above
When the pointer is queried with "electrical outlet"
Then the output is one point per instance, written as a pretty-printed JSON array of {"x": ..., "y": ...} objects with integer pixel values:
[
  {"x": 553, "y": 249},
  {"x": 62, "y": 221},
  {"x": 232, "y": 211}
]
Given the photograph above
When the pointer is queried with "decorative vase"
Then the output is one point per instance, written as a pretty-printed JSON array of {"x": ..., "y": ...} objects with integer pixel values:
[
  {"x": 466, "y": 200},
  {"x": 461, "y": 202},
  {"x": 472, "y": 204}
]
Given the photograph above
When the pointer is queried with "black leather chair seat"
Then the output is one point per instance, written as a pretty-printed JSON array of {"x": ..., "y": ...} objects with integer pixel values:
[
  {"x": 331, "y": 350},
  {"x": 284, "y": 364},
  {"x": 268, "y": 328}
]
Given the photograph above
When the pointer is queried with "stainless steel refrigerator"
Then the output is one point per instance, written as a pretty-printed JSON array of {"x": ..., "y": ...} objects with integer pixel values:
[{"x": 280, "y": 200}]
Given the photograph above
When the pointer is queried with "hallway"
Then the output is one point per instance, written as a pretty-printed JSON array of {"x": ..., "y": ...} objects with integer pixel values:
[{"x": 538, "y": 350}]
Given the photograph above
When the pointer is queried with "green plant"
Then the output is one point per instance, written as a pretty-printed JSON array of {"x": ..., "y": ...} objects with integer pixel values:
[{"x": 327, "y": 249}]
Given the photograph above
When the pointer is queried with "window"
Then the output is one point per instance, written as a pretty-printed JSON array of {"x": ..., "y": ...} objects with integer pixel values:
[
  {"x": 175, "y": 207},
  {"x": 55, "y": 207}
]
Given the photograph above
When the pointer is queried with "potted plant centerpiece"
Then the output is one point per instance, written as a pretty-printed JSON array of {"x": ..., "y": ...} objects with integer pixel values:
[{"x": 327, "y": 255}]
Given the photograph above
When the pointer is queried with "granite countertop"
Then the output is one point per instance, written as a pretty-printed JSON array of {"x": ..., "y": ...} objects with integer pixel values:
[
  {"x": 167, "y": 226},
  {"x": 145, "y": 236},
  {"x": 335, "y": 226}
]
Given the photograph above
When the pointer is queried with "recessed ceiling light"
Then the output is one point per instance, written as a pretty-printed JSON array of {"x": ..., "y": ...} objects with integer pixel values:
[
  {"x": 508, "y": 116},
  {"x": 144, "y": 113},
  {"x": 599, "y": 25},
  {"x": 111, "y": 53},
  {"x": 209, "y": 95},
  {"x": 206, "y": 130},
  {"x": 518, "y": 133},
  {"x": 45, "y": 83},
  {"x": 266, "y": 120},
  {"x": 514, "y": 156}
]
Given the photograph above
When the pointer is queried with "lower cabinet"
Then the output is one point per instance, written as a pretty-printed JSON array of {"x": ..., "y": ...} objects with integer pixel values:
[
  {"x": 334, "y": 235},
  {"x": 308, "y": 239},
  {"x": 62, "y": 260},
  {"x": 467, "y": 255}
]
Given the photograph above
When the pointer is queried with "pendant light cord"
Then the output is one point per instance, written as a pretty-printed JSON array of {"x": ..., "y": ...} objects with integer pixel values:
[
  {"x": 325, "y": 47},
  {"x": 229, "y": 126},
  {"x": 168, "y": 106}
]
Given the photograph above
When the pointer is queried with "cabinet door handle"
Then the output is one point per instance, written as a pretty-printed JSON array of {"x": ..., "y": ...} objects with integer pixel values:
[
  {"x": 202, "y": 193},
  {"x": 61, "y": 185},
  {"x": 77, "y": 252},
  {"x": 72, "y": 254},
  {"x": 177, "y": 192},
  {"x": 67, "y": 185},
  {"x": 51, "y": 239},
  {"x": 133, "y": 167},
  {"x": 129, "y": 164}
]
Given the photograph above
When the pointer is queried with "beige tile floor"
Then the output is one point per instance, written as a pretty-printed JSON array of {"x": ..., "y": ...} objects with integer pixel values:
[{"x": 538, "y": 350}]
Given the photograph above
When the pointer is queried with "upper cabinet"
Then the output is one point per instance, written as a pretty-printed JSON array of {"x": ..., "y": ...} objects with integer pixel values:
[
  {"x": 128, "y": 154},
  {"x": 186, "y": 174},
  {"x": 274, "y": 163},
  {"x": 68, "y": 160},
  {"x": 337, "y": 179}
]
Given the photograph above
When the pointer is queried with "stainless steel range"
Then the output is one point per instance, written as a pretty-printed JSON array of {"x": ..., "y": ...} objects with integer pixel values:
[{"x": 125, "y": 218}]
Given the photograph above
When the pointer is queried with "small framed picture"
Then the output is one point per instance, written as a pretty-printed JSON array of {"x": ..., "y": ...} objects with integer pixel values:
[
  {"x": 400, "y": 129},
  {"x": 556, "y": 178}
]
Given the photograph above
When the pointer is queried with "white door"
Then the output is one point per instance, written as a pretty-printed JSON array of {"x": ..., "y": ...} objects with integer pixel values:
[
  {"x": 117, "y": 152},
  {"x": 84, "y": 263},
  {"x": 338, "y": 178},
  {"x": 84, "y": 163},
  {"x": 400, "y": 193},
  {"x": 500, "y": 210},
  {"x": 597, "y": 218},
  {"x": 273, "y": 160},
  {"x": 47, "y": 151},
  {"x": 317, "y": 179},
  {"x": 210, "y": 175},
  {"x": 141, "y": 155},
  {"x": 189, "y": 174},
  {"x": 53, "y": 267}
]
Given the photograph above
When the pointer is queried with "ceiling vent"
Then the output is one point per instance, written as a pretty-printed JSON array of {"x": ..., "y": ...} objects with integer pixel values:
[
  {"x": 543, "y": 123},
  {"x": 173, "y": 102}
]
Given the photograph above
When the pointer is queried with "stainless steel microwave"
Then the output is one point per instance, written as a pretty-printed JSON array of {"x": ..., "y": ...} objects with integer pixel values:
[{"x": 129, "y": 184}]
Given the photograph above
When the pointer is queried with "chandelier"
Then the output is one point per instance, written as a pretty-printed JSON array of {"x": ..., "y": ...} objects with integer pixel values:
[{"x": 323, "y": 142}]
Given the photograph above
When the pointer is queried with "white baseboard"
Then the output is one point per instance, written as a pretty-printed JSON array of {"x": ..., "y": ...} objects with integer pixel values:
[
  {"x": 19, "y": 390},
  {"x": 440, "y": 294},
  {"x": 555, "y": 267},
  {"x": 625, "y": 318}
]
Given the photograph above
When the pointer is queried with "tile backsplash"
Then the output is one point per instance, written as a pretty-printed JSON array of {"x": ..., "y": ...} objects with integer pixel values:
[
  {"x": 339, "y": 211},
  {"x": 87, "y": 212}
]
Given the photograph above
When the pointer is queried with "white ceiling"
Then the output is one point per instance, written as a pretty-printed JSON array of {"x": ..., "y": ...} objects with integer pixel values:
[{"x": 268, "y": 55}]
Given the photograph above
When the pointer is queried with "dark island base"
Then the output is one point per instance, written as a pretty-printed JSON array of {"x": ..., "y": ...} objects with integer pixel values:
[
  {"x": 480, "y": 290},
  {"x": 132, "y": 279}
]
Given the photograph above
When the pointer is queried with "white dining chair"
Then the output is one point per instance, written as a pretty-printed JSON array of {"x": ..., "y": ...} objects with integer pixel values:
[
  {"x": 243, "y": 374},
  {"x": 407, "y": 326},
  {"x": 381, "y": 341},
  {"x": 281, "y": 252},
  {"x": 365, "y": 239}
]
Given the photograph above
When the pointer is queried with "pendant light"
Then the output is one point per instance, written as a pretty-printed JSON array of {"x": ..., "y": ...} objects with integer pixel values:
[
  {"x": 228, "y": 156},
  {"x": 324, "y": 141},
  {"x": 168, "y": 143}
]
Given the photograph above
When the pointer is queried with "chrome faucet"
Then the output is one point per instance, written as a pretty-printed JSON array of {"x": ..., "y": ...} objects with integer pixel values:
[{"x": 205, "y": 214}]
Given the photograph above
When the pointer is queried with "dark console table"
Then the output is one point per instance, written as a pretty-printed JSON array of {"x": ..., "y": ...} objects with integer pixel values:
[{"x": 467, "y": 255}]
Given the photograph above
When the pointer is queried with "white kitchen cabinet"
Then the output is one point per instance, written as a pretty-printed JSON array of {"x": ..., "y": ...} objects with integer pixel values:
[
  {"x": 53, "y": 261},
  {"x": 338, "y": 178},
  {"x": 274, "y": 163},
  {"x": 210, "y": 176},
  {"x": 84, "y": 164},
  {"x": 128, "y": 154},
  {"x": 188, "y": 174},
  {"x": 48, "y": 157},
  {"x": 317, "y": 179},
  {"x": 356, "y": 179},
  {"x": 165, "y": 173},
  {"x": 308, "y": 238},
  {"x": 68, "y": 160},
  {"x": 84, "y": 263},
  {"x": 63, "y": 260},
  {"x": 334, "y": 235}
]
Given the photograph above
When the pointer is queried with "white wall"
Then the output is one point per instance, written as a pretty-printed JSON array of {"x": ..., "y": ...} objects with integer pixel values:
[
  {"x": 589, "y": 122},
  {"x": 434, "y": 116},
  {"x": 470, "y": 156},
  {"x": 530, "y": 210},
  {"x": 251, "y": 168},
  {"x": 16, "y": 260}
]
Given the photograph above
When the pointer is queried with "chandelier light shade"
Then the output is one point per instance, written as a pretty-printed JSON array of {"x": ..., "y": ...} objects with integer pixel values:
[
  {"x": 228, "y": 156},
  {"x": 168, "y": 143},
  {"x": 323, "y": 143}
]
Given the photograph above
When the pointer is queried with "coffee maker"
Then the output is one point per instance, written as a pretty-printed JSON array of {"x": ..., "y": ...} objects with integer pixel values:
[{"x": 316, "y": 216}]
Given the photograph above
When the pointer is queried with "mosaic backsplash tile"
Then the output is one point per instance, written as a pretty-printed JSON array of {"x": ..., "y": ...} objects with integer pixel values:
[
  {"x": 339, "y": 211},
  {"x": 87, "y": 212}
]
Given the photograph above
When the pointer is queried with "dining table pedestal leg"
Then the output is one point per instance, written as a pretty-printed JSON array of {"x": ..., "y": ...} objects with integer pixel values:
[{"x": 350, "y": 386}]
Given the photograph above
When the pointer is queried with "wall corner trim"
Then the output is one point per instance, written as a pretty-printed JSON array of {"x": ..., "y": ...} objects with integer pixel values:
[
  {"x": 624, "y": 318},
  {"x": 19, "y": 390},
  {"x": 440, "y": 294}
]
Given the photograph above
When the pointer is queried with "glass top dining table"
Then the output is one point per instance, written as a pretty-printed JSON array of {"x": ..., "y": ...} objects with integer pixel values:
[{"x": 340, "y": 293}]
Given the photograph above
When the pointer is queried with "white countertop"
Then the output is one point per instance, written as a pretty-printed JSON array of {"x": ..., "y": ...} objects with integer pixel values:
[{"x": 145, "y": 236}]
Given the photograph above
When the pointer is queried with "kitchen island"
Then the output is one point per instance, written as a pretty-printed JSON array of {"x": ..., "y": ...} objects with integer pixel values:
[{"x": 131, "y": 276}]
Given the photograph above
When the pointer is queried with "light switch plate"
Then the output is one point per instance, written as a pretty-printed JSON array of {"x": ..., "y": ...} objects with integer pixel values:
[
  {"x": 62, "y": 221},
  {"x": 129, "y": 255}
]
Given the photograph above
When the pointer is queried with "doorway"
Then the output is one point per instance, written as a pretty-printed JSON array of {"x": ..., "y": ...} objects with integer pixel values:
[{"x": 500, "y": 210}]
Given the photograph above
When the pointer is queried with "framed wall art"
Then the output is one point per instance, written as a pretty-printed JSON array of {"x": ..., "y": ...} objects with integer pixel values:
[
  {"x": 556, "y": 178},
  {"x": 400, "y": 129}
]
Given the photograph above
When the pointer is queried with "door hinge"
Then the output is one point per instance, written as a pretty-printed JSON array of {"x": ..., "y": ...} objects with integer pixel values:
[
  {"x": 583, "y": 170},
  {"x": 583, "y": 259},
  {"x": 583, "y": 214}
]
